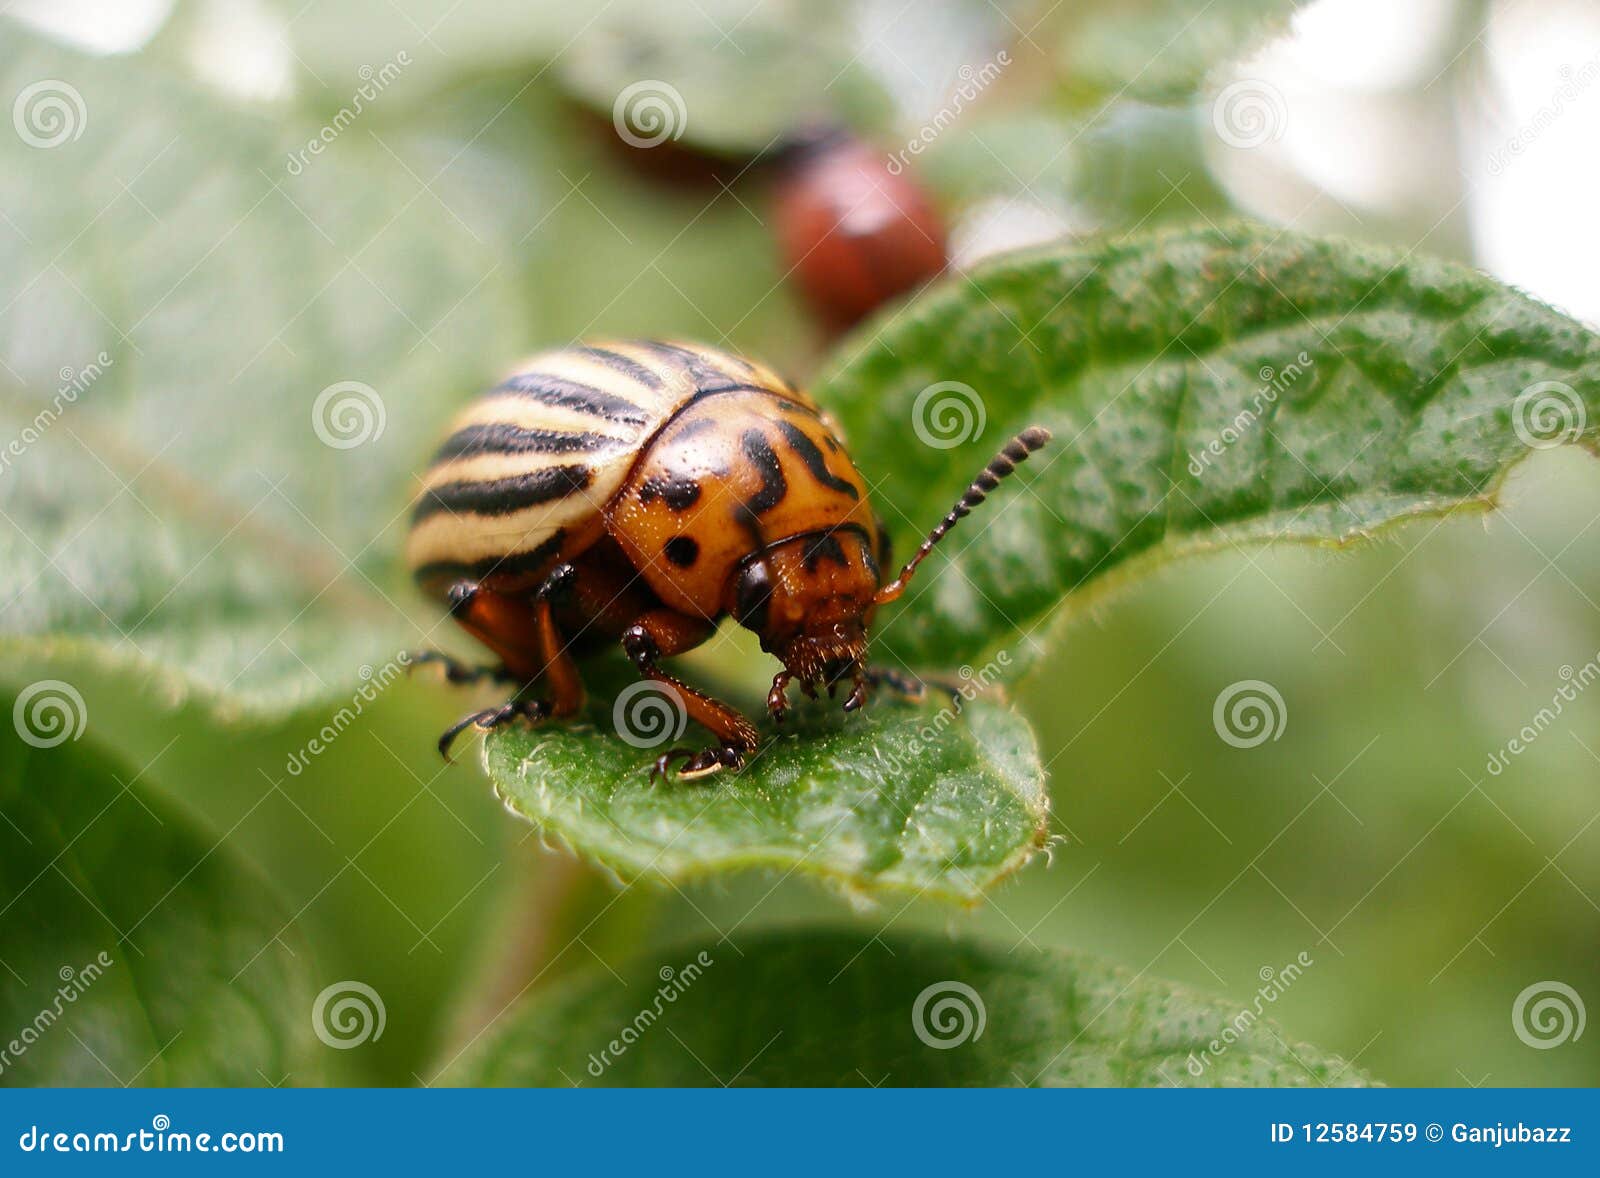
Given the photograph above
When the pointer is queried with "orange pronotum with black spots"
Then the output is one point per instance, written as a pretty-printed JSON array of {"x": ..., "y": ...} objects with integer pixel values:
[{"x": 638, "y": 492}]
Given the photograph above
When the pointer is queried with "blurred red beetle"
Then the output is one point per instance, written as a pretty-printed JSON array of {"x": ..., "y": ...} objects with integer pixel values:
[{"x": 853, "y": 233}]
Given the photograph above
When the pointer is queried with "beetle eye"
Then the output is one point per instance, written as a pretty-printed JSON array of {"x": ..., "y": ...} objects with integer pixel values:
[{"x": 752, "y": 595}]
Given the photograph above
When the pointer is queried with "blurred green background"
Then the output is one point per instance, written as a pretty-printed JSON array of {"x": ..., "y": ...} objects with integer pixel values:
[{"x": 1370, "y": 837}]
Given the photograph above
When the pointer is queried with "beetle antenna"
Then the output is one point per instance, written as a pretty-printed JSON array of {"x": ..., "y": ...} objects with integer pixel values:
[{"x": 1002, "y": 464}]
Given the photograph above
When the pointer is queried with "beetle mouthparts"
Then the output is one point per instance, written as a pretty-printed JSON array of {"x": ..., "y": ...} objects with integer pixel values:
[{"x": 825, "y": 659}]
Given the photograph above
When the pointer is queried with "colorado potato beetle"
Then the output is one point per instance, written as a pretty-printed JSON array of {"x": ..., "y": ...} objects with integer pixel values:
[{"x": 638, "y": 492}]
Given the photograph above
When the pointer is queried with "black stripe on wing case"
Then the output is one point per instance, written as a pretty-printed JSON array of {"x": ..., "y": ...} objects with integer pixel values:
[
  {"x": 801, "y": 443},
  {"x": 773, "y": 485},
  {"x": 503, "y": 496},
  {"x": 444, "y": 572},
  {"x": 574, "y": 395},
  {"x": 708, "y": 376},
  {"x": 617, "y": 362},
  {"x": 503, "y": 437}
]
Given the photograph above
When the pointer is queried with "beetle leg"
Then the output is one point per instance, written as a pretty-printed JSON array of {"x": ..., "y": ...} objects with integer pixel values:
[
  {"x": 558, "y": 587},
  {"x": 505, "y": 623},
  {"x": 560, "y": 671},
  {"x": 858, "y": 689},
  {"x": 491, "y": 718},
  {"x": 525, "y": 636},
  {"x": 697, "y": 763},
  {"x": 659, "y": 633},
  {"x": 456, "y": 671},
  {"x": 910, "y": 687},
  {"x": 461, "y": 596},
  {"x": 778, "y": 697}
]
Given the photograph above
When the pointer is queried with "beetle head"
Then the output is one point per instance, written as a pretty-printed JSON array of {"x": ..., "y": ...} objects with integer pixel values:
[{"x": 810, "y": 599}]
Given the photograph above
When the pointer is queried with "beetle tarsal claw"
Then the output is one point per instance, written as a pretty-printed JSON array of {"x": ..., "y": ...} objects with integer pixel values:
[
  {"x": 698, "y": 764},
  {"x": 661, "y": 768},
  {"x": 532, "y": 710},
  {"x": 695, "y": 770},
  {"x": 778, "y": 697}
]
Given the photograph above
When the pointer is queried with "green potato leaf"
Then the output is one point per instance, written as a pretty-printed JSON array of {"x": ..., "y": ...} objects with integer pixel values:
[
  {"x": 898, "y": 1009},
  {"x": 222, "y": 357},
  {"x": 134, "y": 947},
  {"x": 445, "y": 39},
  {"x": 1205, "y": 388},
  {"x": 1134, "y": 164},
  {"x": 897, "y": 797},
  {"x": 733, "y": 82},
  {"x": 1162, "y": 50}
]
